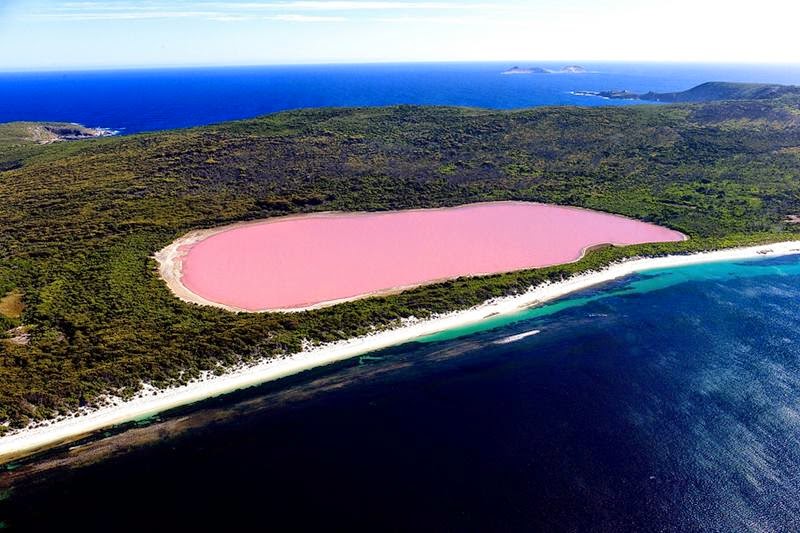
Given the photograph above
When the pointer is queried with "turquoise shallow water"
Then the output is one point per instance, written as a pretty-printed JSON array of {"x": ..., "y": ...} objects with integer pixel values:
[
  {"x": 666, "y": 401},
  {"x": 647, "y": 281}
]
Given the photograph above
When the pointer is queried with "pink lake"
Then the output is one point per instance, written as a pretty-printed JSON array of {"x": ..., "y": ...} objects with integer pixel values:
[{"x": 297, "y": 262}]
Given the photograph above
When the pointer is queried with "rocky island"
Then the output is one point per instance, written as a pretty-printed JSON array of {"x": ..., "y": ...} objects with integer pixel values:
[
  {"x": 520, "y": 70},
  {"x": 569, "y": 69}
]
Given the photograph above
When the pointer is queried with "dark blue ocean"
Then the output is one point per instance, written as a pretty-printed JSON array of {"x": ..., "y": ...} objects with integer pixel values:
[
  {"x": 144, "y": 100},
  {"x": 667, "y": 401}
]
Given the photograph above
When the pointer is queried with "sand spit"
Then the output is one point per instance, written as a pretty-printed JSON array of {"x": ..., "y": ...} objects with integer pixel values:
[{"x": 152, "y": 402}]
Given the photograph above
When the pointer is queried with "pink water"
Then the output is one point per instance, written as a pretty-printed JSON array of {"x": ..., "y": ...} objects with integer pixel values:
[{"x": 299, "y": 262}]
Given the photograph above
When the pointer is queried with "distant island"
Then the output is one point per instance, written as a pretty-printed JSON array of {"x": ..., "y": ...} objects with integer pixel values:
[
  {"x": 520, "y": 70},
  {"x": 569, "y": 69},
  {"x": 705, "y": 92}
]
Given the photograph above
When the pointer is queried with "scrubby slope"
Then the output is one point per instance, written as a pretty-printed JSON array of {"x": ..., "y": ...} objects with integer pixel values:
[{"x": 81, "y": 220}]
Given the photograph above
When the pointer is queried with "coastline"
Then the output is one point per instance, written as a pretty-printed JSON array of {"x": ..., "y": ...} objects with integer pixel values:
[{"x": 151, "y": 402}]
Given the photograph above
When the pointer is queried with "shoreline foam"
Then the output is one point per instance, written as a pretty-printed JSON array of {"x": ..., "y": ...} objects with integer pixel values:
[{"x": 62, "y": 431}]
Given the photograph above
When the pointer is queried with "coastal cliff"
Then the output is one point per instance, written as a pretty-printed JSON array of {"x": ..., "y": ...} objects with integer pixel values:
[{"x": 47, "y": 132}]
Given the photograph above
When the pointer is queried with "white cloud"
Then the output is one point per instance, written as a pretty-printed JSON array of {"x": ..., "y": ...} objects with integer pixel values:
[
  {"x": 291, "y": 5},
  {"x": 335, "y": 5},
  {"x": 411, "y": 19},
  {"x": 228, "y": 18},
  {"x": 240, "y": 11},
  {"x": 305, "y": 18},
  {"x": 129, "y": 15}
]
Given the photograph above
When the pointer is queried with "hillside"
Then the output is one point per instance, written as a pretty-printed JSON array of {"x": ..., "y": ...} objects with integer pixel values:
[
  {"x": 16, "y": 133},
  {"x": 710, "y": 91},
  {"x": 81, "y": 220},
  {"x": 19, "y": 138}
]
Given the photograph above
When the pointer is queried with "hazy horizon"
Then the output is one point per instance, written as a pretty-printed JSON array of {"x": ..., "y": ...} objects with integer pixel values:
[{"x": 499, "y": 62}]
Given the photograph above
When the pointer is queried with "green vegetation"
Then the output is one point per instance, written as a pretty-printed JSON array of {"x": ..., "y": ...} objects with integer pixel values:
[
  {"x": 81, "y": 220},
  {"x": 17, "y": 133},
  {"x": 11, "y": 307},
  {"x": 714, "y": 91},
  {"x": 719, "y": 90},
  {"x": 19, "y": 139}
]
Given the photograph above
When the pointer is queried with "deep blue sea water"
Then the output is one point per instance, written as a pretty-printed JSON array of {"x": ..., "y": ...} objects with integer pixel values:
[
  {"x": 667, "y": 401},
  {"x": 145, "y": 100}
]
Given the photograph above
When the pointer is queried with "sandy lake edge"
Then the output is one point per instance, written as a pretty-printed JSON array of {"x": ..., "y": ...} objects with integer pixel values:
[{"x": 170, "y": 258}]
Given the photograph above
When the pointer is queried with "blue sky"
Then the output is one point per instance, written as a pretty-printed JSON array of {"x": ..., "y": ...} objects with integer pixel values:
[{"x": 53, "y": 34}]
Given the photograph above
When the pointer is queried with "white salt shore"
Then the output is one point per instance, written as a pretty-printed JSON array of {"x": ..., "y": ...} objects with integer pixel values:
[{"x": 150, "y": 402}]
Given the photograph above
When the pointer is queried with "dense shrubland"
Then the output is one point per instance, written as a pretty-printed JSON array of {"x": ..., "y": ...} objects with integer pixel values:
[{"x": 80, "y": 221}]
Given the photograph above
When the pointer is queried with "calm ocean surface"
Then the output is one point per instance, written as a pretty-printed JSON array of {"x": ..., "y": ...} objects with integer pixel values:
[
  {"x": 144, "y": 100},
  {"x": 667, "y": 401}
]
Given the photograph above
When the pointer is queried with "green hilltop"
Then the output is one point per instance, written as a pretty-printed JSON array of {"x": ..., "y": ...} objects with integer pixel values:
[
  {"x": 718, "y": 90},
  {"x": 81, "y": 220},
  {"x": 712, "y": 91}
]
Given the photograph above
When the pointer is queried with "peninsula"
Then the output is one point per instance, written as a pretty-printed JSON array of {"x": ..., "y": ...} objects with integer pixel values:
[
  {"x": 706, "y": 92},
  {"x": 48, "y": 132}
]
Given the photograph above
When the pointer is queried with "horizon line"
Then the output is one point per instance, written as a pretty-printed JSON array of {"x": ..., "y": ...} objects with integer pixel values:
[{"x": 322, "y": 63}]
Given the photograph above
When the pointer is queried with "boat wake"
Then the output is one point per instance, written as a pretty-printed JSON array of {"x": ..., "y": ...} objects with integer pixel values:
[{"x": 518, "y": 337}]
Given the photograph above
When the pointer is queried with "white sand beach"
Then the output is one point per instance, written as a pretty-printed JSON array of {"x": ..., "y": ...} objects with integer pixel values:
[{"x": 151, "y": 402}]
